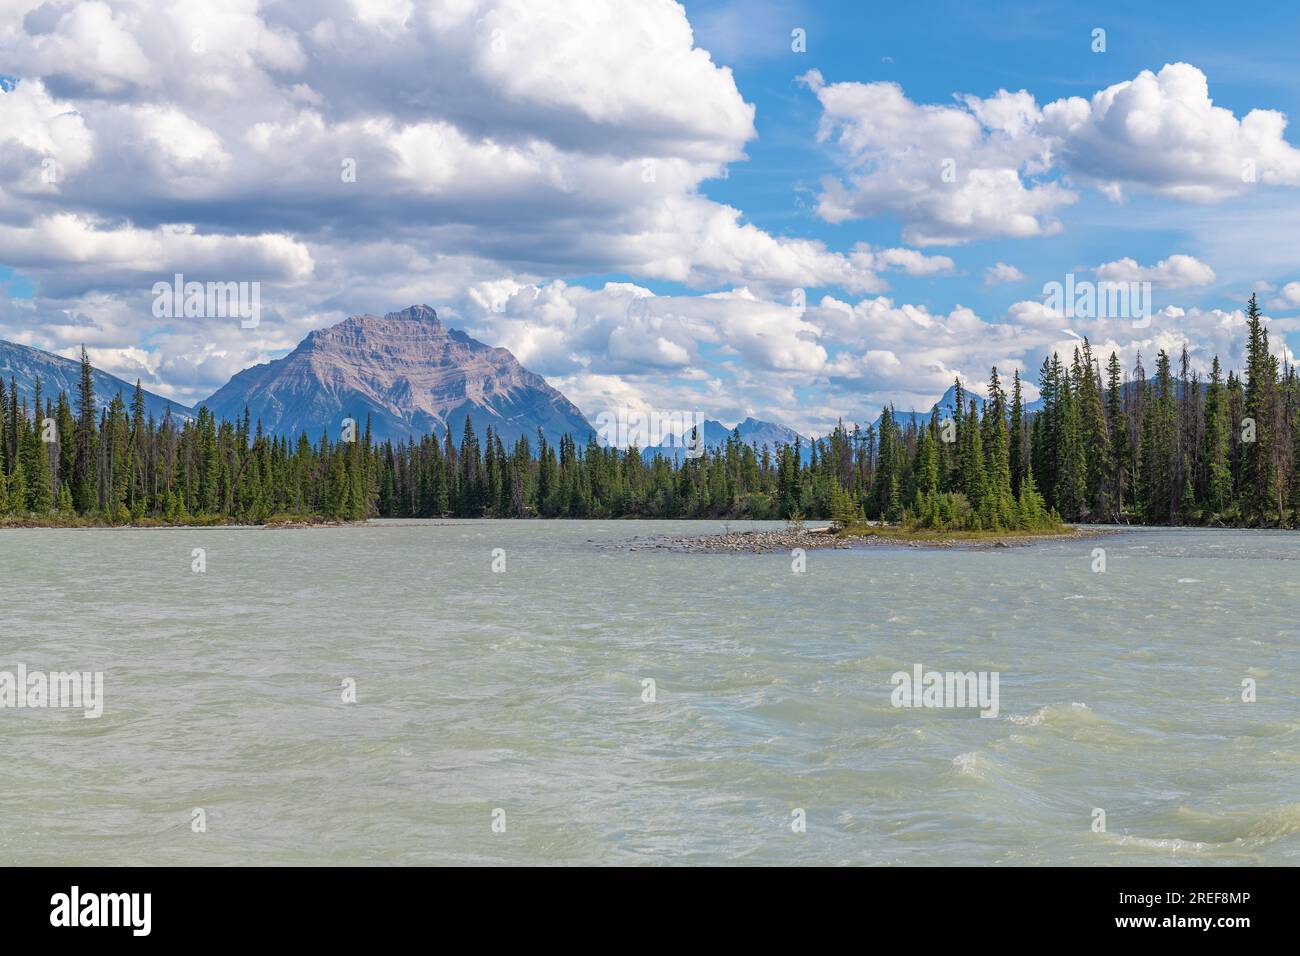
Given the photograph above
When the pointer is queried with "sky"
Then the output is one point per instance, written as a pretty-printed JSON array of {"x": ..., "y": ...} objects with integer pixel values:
[{"x": 795, "y": 212}]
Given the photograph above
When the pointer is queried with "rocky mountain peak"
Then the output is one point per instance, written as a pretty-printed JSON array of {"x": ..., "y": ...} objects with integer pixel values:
[
  {"x": 406, "y": 372},
  {"x": 417, "y": 313}
]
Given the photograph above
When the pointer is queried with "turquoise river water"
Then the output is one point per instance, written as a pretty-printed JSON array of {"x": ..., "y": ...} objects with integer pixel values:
[{"x": 507, "y": 716}]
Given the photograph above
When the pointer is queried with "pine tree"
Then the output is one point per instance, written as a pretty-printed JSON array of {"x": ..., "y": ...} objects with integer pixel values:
[
  {"x": 34, "y": 455},
  {"x": 927, "y": 463},
  {"x": 83, "y": 471},
  {"x": 1156, "y": 489},
  {"x": 1257, "y": 438},
  {"x": 1218, "y": 472},
  {"x": 1093, "y": 433},
  {"x": 66, "y": 508},
  {"x": 1016, "y": 452},
  {"x": 1118, "y": 445},
  {"x": 1029, "y": 505},
  {"x": 894, "y": 508},
  {"x": 843, "y": 510},
  {"x": 1069, "y": 463},
  {"x": 1044, "y": 443},
  {"x": 1187, "y": 503},
  {"x": 998, "y": 506}
]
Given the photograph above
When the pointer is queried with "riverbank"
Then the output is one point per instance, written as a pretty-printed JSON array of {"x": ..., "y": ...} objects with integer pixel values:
[
  {"x": 787, "y": 539},
  {"x": 275, "y": 522}
]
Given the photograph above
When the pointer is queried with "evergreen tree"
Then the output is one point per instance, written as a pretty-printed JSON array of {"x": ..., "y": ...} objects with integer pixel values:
[
  {"x": 998, "y": 505},
  {"x": 1257, "y": 478},
  {"x": 1218, "y": 472},
  {"x": 1156, "y": 488},
  {"x": 1016, "y": 453},
  {"x": 1093, "y": 432},
  {"x": 83, "y": 470},
  {"x": 1118, "y": 446}
]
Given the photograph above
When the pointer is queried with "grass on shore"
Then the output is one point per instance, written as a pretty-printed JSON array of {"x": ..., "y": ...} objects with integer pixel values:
[{"x": 902, "y": 533}]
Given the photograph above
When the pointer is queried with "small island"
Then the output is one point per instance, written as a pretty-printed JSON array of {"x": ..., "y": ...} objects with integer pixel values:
[{"x": 867, "y": 533}]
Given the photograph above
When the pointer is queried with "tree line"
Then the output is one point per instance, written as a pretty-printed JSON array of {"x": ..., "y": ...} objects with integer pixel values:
[{"x": 1103, "y": 446}]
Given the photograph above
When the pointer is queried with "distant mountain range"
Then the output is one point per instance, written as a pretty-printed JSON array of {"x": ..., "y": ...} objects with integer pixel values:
[
  {"x": 945, "y": 406},
  {"x": 751, "y": 431},
  {"x": 24, "y": 364},
  {"x": 410, "y": 376}
]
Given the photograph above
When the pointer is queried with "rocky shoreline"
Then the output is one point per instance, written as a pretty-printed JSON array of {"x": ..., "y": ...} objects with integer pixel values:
[{"x": 786, "y": 539}]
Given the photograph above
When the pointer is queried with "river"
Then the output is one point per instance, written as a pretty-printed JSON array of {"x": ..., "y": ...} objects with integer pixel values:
[{"x": 533, "y": 692}]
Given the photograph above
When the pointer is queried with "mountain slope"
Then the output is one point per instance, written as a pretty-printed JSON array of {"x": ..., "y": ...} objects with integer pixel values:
[
  {"x": 405, "y": 371},
  {"x": 24, "y": 363},
  {"x": 754, "y": 432}
]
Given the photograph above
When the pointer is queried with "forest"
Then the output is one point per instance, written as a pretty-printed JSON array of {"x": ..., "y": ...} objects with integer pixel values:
[{"x": 1105, "y": 446}]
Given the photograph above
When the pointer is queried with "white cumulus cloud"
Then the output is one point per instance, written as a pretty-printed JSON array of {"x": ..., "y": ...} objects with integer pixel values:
[{"x": 1178, "y": 271}]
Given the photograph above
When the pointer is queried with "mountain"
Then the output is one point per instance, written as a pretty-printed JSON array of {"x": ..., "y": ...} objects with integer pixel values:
[
  {"x": 23, "y": 364},
  {"x": 752, "y": 432},
  {"x": 945, "y": 406},
  {"x": 771, "y": 434},
  {"x": 409, "y": 374}
]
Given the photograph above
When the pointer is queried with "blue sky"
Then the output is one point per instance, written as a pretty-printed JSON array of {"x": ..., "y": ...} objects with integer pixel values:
[
  {"x": 630, "y": 194},
  {"x": 934, "y": 50}
]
